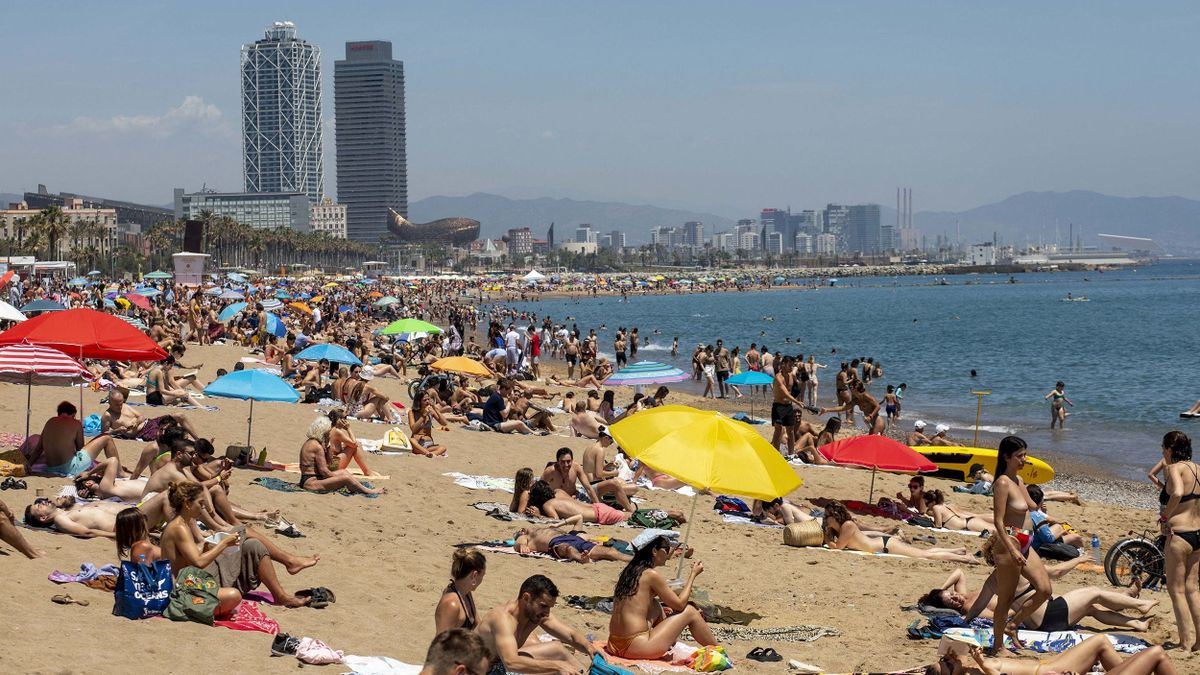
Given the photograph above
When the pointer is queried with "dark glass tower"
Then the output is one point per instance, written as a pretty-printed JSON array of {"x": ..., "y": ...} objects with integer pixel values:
[{"x": 372, "y": 165}]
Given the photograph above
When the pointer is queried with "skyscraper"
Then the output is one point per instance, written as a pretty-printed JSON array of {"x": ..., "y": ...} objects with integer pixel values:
[
  {"x": 862, "y": 229},
  {"x": 281, "y": 114},
  {"x": 372, "y": 159}
]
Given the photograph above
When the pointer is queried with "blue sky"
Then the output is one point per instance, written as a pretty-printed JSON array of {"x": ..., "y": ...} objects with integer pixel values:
[{"x": 707, "y": 105}]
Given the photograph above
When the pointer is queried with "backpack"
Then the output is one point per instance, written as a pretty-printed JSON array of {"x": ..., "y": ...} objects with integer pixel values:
[
  {"x": 194, "y": 597},
  {"x": 727, "y": 504}
]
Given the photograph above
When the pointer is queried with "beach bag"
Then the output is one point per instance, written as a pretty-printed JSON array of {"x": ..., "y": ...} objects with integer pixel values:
[
  {"x": 194, "y": 597},
  {"x": 653, "y": 518},
  {"x": 601, "y": 667},
  {"x": 808, "y": 533},
  {"x": 709, "y": 659},
  {"x": 395, "y": 441},
  {"x": 143, "y": 590},
  {"x": 921, "y": 521},
  {"x": 1058, "y": 550},
  {"x": 726, "y": 504}
]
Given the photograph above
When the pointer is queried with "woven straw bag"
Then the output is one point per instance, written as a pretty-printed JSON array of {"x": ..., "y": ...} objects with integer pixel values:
[{"x": 808, "y": 533}]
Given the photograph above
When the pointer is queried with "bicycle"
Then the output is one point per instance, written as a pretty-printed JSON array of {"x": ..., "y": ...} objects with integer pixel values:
[{"x": 1138, "y": 557}]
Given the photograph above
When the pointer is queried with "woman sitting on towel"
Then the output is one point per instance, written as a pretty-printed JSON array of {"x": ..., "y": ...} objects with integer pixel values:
[
  {"x": 456, "y": 609},
  {"x": 952, "y": 518},
  {"x": 240, "y": 562},
  {"x": 420, "y": 422},
  {"x": 1059, "y": 613},
  {"x": 640, "y": 627},
  {"x": 343, "y": 445},
  {"x": 315, "y": 473},
  {"x": 522, "y": 483},
  {"x": 841, "y": 532}
]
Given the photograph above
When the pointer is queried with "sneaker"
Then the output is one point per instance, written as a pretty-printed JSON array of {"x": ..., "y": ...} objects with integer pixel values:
[{"x": 284, "y": 645}]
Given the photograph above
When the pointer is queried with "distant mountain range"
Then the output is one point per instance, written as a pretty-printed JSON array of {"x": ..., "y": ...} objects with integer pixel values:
[
  {"x": 497, "y": 214},
  {"x": 1173, "y": 222}
]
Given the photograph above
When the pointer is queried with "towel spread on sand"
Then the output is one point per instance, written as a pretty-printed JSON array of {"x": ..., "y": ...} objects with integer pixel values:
[
  {"x": 248, "y": 617},
  {"x": 377, "y": 665},
  {"x": 1040, "y": 641},
  {"x": 675, "y": 660},
  {"x": 502, "y": 511},
  {"x": 210, "y": 408},
  {"x": 481, "y": 482},
  {"x": 279, "y": 485},
  {"x": 509, "y": 550},
  {"x": 294, "y": 467},
  {"x": 738, "y": 519},
  {"x": 89, "y": 575}
]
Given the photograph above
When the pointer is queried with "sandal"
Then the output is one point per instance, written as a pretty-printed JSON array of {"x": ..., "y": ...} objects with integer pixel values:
[
  {"x": 755, "y": 654},
  {"x": 769, "y": 655},
  {"x": 19, "y": 484},
  {"x": 7, "y": 483},
  {"x": 68, "y": 600},
  {"x": 319, "y": 597}
]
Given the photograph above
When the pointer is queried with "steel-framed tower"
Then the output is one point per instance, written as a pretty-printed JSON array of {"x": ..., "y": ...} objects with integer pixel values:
[{"x": 281, "y": 114}]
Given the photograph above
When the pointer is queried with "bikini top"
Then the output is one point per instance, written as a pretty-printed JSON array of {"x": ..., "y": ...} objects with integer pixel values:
[
  {"x": 1163, "y": 497},
  {"x": 468, "y": 605}
]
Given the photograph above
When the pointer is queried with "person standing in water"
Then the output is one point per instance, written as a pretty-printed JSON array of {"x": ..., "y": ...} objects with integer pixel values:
[{"x": 1057, "y": 412}]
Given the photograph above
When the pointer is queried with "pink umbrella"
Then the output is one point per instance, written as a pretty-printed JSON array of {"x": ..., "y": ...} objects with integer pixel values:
[{"x": 29, "y": 365}]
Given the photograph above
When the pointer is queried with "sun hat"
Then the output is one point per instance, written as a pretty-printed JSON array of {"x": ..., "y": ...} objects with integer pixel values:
[
  {"x": 366, "y": 374},
  {"x": 941, "y": 428},
  {"x": 919, "y": 424},
  {"x": 647, "y": 536}
]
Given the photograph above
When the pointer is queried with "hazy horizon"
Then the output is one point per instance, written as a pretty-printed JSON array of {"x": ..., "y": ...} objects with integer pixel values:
[{"x": 695, "y": 105}]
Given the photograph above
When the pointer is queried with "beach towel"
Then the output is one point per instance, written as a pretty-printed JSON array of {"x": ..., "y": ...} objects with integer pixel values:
[
  {"x": 743, "y": 417},
  {"x": 87, "y": 572},
  {"x": 314, "y": 652},
  {"x": 674, "y": 661},
  {"x": 739, "y": 519},
  {"x": 481, "y": 482},
  {"x": 8, "y": 440},
  {"x": 248, "y": 617},
  {"x": 506, "y": 549},
  {"x": 378, "y": 665},
  {"x": 210, "y": 408},
  {"x": 91, "y": 425},
  {"x": 1038, "y": 641},
  {"x": 280, "y": 485},
  {"x": 294, "y": 467},
  {"x": 500, "y": 512}
]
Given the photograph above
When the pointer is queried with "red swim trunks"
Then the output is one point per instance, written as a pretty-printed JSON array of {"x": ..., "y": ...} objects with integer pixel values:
[{"x": 607, "y": 515}]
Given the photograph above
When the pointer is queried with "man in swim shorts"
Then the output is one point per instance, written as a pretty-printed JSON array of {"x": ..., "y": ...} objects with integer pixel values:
[
  {"x": 783, "y": 414},
  {"x": 564, "y": 544},
  {"x": 542, "y": 498},
  {"x": 123, "y": 421},
  {"x": 62, "y": 448}
]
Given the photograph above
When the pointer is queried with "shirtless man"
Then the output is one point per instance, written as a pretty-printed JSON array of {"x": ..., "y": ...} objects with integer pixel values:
[
  {"x": 62, "y": 448},
  {"x": 124, "y": 421},
  {"x": 569, "y": 480},
  {"x": 180, "y": 469},
  {"x": 458, "y": 651},
  {"x": 867, "y": 404},
  {"x": 939, "y": 436},
  {"x": 542, "y": 498},
  {"x": 572, "y": 354},
  {"x": 597, "y": 466},
  {"x": 783, "y": 414},
  {"x": 563, "y": 543},
  {"x": 162, "y": 389},
  {"x": 841, "y": 384},
  {"x": 101, "y": 483},
  {"x": 917, "y": 436},
  {"x": 90, "y": 519},
  {"x": 508, "y": 631},
  {"x": 584, "y": 422}
]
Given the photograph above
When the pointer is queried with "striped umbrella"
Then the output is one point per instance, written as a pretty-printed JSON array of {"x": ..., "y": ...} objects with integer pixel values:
[
  {"x": 272, "y": 304},
  {"x": 646, "y": 372},
  {"x": 29, "y": 364},
  {"x": 133, "y": 321}
]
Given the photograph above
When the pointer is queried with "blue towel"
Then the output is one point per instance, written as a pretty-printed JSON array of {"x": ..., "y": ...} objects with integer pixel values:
[
  {"x": 91, "y": 425},
  {"x": 743, "y": 417},
  {"x": 280, "y": 485}
]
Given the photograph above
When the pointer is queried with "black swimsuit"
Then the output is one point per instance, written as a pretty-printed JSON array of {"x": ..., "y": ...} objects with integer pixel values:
[
  {"x": 1192, "y": 537},
  {"x": 468, "y": 605}
]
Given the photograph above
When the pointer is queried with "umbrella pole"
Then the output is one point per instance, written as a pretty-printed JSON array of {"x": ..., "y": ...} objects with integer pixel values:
[
  {"x": 871, "y": 499},
  {"x": 249, "y": 423},
  {"x": 687, "y": 534},
  {"x": 28, "y": 403}
]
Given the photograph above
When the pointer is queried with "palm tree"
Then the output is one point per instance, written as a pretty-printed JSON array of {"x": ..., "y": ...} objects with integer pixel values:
[{"x": 54, "y": 223}]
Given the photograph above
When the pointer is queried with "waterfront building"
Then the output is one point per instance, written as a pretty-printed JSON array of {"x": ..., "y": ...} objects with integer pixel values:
[
  {"x": 259, "y": 210},
  {"x": 329, "y": 218},
  {"x": 520, "y": 241}
]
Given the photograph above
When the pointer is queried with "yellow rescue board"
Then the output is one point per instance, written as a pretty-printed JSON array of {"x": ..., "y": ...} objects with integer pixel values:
[{"x": 956, "y": 463}]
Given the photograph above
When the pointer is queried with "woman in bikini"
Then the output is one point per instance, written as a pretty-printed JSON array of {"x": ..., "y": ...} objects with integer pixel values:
[
  {"x": 951, "y": 518},
  {"x": 841, "y": 532},
  {"x": 1096, "y": 650},
  {"x": 343, "y": 445},
  {"x": 1180, "y": 499},
  {"x": 522, "y": 483},
  {"x": 315, "y": 473},
  {"x": 1061, "y": 613},
  {"x": 639, "y": 628},
  {"x": 420, "y": 423},
  {"x": 133, "y": 537},
  {"x": 1057, "y": 412},
  {"x": 1009, "y": 548},
  {"x": 456, "y": 608}
]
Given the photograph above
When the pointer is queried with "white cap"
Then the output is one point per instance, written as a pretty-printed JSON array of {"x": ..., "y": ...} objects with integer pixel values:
[
  {"x": 941, "y": 428},
  {"x": 647, "y": 536},
  {"x": 919, "y": 424}
]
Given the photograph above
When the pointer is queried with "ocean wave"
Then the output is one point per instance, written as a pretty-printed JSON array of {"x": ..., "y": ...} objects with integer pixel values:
[
  {"x": 654, "y": 348},
  {"x": 701, "y": 316}
]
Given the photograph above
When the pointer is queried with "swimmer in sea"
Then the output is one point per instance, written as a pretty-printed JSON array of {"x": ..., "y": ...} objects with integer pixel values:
[{"x": 1057, "y": 412}]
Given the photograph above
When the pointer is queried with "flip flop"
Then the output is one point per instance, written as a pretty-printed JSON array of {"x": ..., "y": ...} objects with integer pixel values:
[
  {"x": 319, "y": 597},
  {"x": 19, "y": 484},
  {"x": 755, "y": 654},
  {"x": 68, "y": 600},
  {"x": 769, "y": 655},
  {"x": 7, "y": 483}
]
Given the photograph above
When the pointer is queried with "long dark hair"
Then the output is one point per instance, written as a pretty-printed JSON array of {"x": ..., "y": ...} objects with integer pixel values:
[
  {"x": 1009, "y": 446},
  {"x": 643, "y": 559}
]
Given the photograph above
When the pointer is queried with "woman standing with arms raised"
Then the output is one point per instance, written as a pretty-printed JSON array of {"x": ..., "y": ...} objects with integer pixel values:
[
  {"x": 1009, "y": 548},
  {"x": 1180, "y": 499}
]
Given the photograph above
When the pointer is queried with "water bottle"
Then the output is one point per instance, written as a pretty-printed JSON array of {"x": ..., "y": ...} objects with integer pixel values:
[
  {"x": 262, "y": 457},
  {"x": 1096, "y": 548}
]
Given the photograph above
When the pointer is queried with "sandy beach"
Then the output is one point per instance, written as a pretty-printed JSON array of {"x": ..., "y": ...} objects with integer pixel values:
[{"x": 387, "y": 559}]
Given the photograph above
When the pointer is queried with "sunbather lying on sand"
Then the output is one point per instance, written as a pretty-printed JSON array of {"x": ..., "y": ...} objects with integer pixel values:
[
  {"x": 1059, "y": 613},
  {"x": 841, "y": 532},
  {"x": 12, "y": 536},
  {"x": 542, "y": 499},
  {"x": 1094, "y": 651},
  {"x": 90, "y": 519},
  {"x": 100, "y": 482},
  {"x": 639, "y": 627},
  {"x": 779, "y": 512},
  {"x": 953, "y": 518},
  {"x": 561, "y": 542}
]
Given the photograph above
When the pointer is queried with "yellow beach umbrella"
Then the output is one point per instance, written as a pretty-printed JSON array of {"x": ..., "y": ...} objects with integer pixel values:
[
  {"x": 708, "y": 451},
  {"x": 462, "y": 365},
  {"x": 300, "y": 306},
  {"x": 332, "y": 284}
]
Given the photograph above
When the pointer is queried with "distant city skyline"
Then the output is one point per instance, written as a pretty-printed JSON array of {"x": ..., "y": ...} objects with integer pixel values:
[{"x": 703, "y": 105}]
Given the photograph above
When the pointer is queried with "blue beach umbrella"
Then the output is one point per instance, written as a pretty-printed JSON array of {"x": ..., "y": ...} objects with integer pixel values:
[
  {"x": 272, "y": 303},
  {"x": 751, "y": 378},
  {"x": 230, "y": 311},
  {"x": 78, "y": 281},
  {"x": 252, "y": 385},
  {"x": 230, "y": 295},
  {"x": 275, "y": 325},
  {"x": 332, "y": 353},
  {"x": 42, "y": 306},
  {"x": 212, "y": 291}
]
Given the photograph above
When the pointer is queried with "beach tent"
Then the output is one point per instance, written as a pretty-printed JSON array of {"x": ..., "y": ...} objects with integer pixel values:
[
  {"x": 533, "y": 277},
  {"x": 252, "y": 385}
]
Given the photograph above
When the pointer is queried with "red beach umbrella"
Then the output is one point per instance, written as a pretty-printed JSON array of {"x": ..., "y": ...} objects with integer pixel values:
[
  {"x": 138, "y": 300},
  {"x": 30, "y": 364},
  {"x": 877, "y": 453},
  {"x": 84, "y": 333}
]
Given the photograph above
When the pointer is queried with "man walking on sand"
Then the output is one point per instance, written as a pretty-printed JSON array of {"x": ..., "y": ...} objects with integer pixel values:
[{"x": 783, "y": 414}]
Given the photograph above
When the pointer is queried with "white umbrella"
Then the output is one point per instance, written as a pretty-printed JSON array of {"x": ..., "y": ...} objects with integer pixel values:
[{"x": 10, "y": 313}]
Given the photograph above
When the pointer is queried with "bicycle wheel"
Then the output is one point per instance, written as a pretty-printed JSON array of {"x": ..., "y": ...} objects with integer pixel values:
[{"x": 1134, "y": 558}]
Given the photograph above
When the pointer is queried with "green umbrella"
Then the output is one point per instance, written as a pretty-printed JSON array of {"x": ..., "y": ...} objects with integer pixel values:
[
  {"x": 159, "y": 275},
  {"x": 409, "y": 326}
]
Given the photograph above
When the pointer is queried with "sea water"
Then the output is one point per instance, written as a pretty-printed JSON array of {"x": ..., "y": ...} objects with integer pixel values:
[{"x": 1128, "y": 356}]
